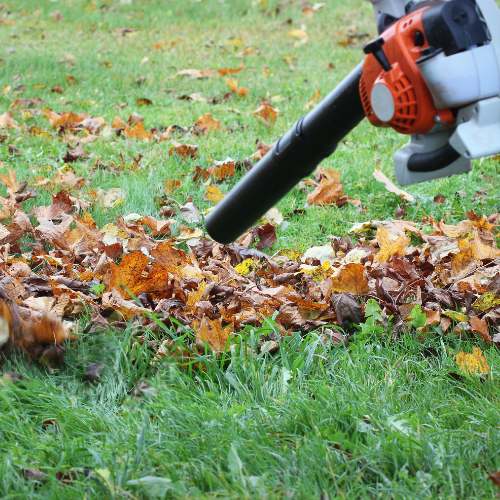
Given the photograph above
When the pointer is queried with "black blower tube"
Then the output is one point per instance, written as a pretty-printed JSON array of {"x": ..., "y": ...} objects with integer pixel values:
[{"x": 293, "y": 157}]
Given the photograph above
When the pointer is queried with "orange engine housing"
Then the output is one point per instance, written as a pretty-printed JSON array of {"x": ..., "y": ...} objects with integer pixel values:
[{"x": 414, "y": 110}]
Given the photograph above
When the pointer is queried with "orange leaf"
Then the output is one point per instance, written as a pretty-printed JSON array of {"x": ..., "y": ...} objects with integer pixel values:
[
  {"x": 206, "y": 123},
  {"x": 352, "y": 278},
  {"x": 137, "y": 132},
  {"x": 329, "y": 189},
  {"x": 266, "y": 113},
  {"x": 233, "y": 85},
  {"x": 211, "y": 331}
]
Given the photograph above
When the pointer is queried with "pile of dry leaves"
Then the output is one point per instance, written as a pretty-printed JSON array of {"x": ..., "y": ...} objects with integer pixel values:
[{"x": 57, "y": 264}]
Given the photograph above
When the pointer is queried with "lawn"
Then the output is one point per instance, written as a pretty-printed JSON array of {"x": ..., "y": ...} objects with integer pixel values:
[{"x": 387, "y": 417}]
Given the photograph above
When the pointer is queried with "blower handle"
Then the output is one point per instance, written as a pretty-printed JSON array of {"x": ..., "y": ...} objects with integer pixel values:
[{"x": 293, "y": 157}]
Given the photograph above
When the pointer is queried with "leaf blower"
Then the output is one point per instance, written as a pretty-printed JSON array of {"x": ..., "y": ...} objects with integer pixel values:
[{"x": 433, "y": 73}]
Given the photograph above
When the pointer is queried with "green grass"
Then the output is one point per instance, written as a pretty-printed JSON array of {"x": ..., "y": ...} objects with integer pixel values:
[
  {"x": 295, "y": 420},
  {"x": 378, "y": 422}
]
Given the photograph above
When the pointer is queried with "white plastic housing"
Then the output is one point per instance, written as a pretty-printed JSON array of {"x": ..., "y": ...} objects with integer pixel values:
[
  {"x": 478, "y": 132},
  {"x": 424, "y": 144},
  {"x": 458, "y": 80},
  {"x": 395, "y": 8}
]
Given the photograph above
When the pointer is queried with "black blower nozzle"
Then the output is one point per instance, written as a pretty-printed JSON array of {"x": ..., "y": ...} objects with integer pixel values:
[{"x": 293, "y": 157}]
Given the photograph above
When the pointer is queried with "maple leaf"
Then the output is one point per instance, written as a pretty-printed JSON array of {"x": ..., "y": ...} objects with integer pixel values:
[
  {"x": 266, "y": 234},
  {"x": 266, "y": 113},
  {"x": 118, "y": 123},
  {"x": 480, "y": 326},
  {"x": 171, "y": 186},
  {"x": 137, "y": 132},
  {"x": 351, "y": 278},
  {"x": 211, "y": 332},
  {"x": 61, "y": 204},
  {"x": 389, "y": 245},
  {"x": 262, "y": 150},
  {"x": 206, "y": 123}
]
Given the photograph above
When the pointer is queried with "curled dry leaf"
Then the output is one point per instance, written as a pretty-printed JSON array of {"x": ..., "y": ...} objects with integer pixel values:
[
  {"x": 266, "y": 113},
  {"x": 183, "y": 150},
  {"x": 390, "y": 186},
  {"x": 233, "y": 85}
]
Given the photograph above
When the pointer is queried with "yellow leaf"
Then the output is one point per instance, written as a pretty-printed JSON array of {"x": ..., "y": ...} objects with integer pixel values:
[
  {"x": 472, "y": 364},
  {"x": 456, "y": 316},
  {"x": 214, "y": 194},
  {"x": 297, "y": 33},
  {"x": 486, "y": 302},
  {"x": 390, "y": 245},
  {"x": 245, "y": 266}
]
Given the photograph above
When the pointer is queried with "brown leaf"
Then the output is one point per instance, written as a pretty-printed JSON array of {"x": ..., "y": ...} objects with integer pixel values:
[
  {"x": 75, "y": 153},
  {"x": 6, "y": 121},
  {"x": 225, "y": 71},
  {"x": 143, "y": 101},
  {"x": 61, "y": 204},
  {"x": 329, "y": 189},
  {"x": 94, "y": 371},
  {"x": 183, "y": 150},
  {"x": 266, "y": 234},
  {"x": 171, "y": 186},
  {"x": 347, "y": 309},
  {"x": 480, "y": 326},
  {"x": 439, "y": 198},
  {"x": 10, "y": 181},
  {"x": 262, "y": 150},
  {"x": 118, "y": 122}
]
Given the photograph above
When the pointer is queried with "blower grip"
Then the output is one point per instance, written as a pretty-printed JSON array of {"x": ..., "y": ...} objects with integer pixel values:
[{"x": 293, "y": 157}]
